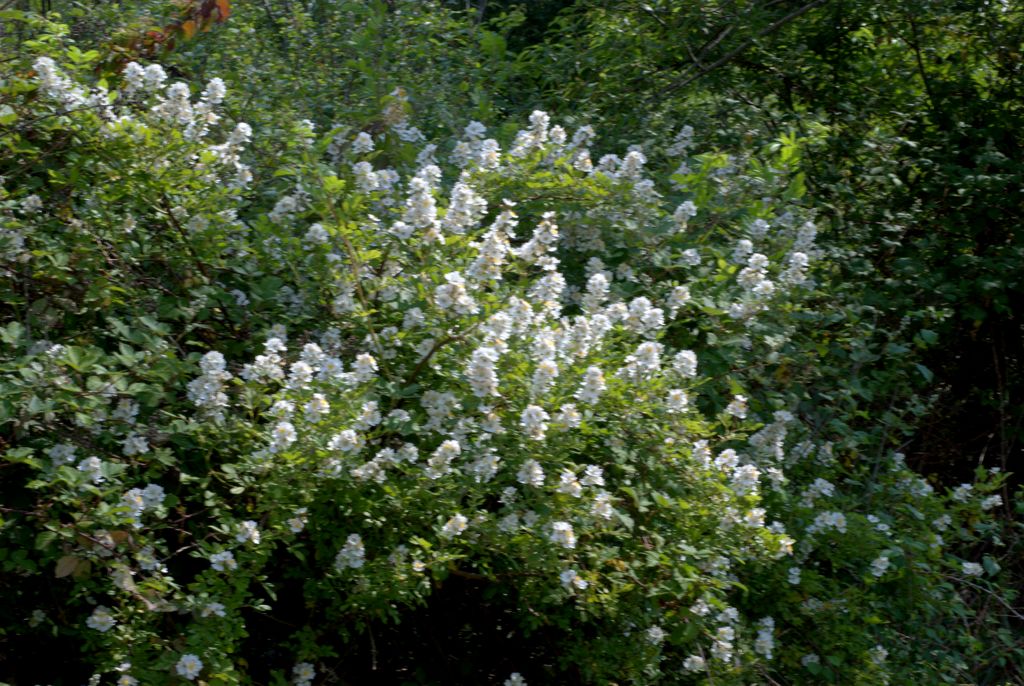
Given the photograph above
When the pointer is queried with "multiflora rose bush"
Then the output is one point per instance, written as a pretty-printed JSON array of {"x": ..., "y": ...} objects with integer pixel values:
[{"x": 524, "y": 366}]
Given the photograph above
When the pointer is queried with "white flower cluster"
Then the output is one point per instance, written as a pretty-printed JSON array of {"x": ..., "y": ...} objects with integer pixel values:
[
  {"x": 303, "y": 673},
  {"x": 207, "y": 390},
  {"x": 57, "y": 86},
  {"x": 141, "y": 500},
  {"x": 352, "y": 555}
]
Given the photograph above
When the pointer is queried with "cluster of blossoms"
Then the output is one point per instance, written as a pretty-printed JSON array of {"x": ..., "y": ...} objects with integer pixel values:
[
  {"x": 140, "y": 500},
  {"x": 542, "y": 360},
  {"x": 488, "y": 399},
  {"x": 207, "y": 391}
]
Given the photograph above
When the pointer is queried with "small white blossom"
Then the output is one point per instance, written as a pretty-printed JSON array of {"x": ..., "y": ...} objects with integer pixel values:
[
  {"x": 570, "y": 579},
  {"x": 352, "y": 553},
  {"x": 738, "y": 407},
  {"x": 101, "y": 620},
  {"x": 249, "y": 531},
  {"x": 223, "y": 561},
  {"x": 972, "y": 569},
  {"x": 189, "y": 666},
  {"x": 531, "y": 474},
  {"x": 563, "y": 535},
  {"x": 454, "y": 526},
  {"x": 655, "y": 635},
  {"x": 534, "y": 422}
]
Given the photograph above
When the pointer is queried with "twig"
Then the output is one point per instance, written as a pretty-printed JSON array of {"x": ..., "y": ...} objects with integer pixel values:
[{"x": 729, "y": 56}]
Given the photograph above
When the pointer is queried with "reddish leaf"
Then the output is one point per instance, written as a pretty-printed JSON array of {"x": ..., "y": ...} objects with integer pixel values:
[
  {"x": 120, "y": 536},
  {"x": 66, "y": 566}
]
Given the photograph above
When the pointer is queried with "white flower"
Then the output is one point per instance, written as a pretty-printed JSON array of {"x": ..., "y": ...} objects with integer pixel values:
[
  {"x": 643, "y": 363},
  {"x": 828, "y": 520},
  {"x": 563, "y": 535},
  {"x": 249, "y": 531},
  {"x": 485, "y": 467},
  {"x": 765, "y": 642},
  {"x": 153, "y": 496},
  {"x": 62, "y": 453},
  {"x": 214, "y": 608},
  {"x": 223, "y": 561},
  {"x": 973, "y": 569},
  {"x": 452, "y": 295},
  {"x": 135, "y": 445},
  {"x": 727, "y": 459},
  {"x": 352, "y": 555},
  {"x": 991, "y": 502},
  {"x": 531, "y": 474},
  {"x": 93, "y": 467},
  {"x": 454, "y": 526},
  {"x": 677, "y": 402},
  {"x": 597, "y": 292},
  {"x": 568, "y": 416},
  {"x": 694, "y": 663},
  {"x": 592, "y": 476},
  {"x": 602, "y": 507},
  {"x": 745, "y": 479},
  {"x": 348, "y": 441},
  {"x": 303, "y": 673},
  {"x": 738, "y": 407},
  {"x": 508, "y": 523},
  {"x": 316, "y": 408},
  {"x": 189, "y": 666},
  {"x": 361, "y": 145},
  {"x": 722, "y": 646},
  {"x": 691, "y": 257},
  {"x": 440, "y": 460},
  {"x": 101, "y": 620},
  {"x": 569, "y": 484},
  {"x": 880, "y": 565},
  {"x": 364, "y": 368},
  {"x": 515, "y": 680},
  {"x": 592, "y": 387},
  {"x": 281, "y": 437},
  {"x": 679, "y": 296},
  {"x": 570, "y": 579},
  {"x": 544, "y": 376},
  {"x": 754, "y": 518},
  {"x": 534, "y": 422},
  {"x": 297, "y": 523},
  {"x": 684, "y": 213},
  {"x": 655, "y": 635},
  {"x": 481, "y": 372},
  {"x": 154, "y": 76},
  {"x": 962, "y": 492}
]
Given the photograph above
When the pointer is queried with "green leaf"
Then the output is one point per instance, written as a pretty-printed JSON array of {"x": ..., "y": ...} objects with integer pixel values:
[
  {"x": 7, "y": 115},
  {"x": 45, "y": 539},
  {"x": 925, "y": 372}
]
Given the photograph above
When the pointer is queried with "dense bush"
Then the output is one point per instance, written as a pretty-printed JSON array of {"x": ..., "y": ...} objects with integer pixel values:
[{"x": 324, "y": 385}]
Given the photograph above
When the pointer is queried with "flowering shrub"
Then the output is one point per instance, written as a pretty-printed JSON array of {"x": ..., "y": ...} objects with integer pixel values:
[{"x": 379, "y": 367}]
